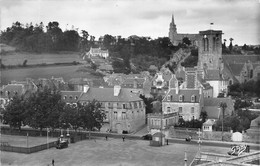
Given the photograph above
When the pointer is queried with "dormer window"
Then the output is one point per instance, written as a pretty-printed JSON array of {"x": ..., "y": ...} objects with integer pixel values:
[
  {"x": 193, "y": 98},
  {"x": 181, "y": 98},
  {"x": 168, "y": 98},
  {"x": 76, "y": 97},
  {"x": 65, "y": 97},
  {"x": 71, "y": 97}
]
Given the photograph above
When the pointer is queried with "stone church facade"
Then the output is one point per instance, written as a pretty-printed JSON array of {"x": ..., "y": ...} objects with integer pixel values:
[{"x": 176, "y": 38}]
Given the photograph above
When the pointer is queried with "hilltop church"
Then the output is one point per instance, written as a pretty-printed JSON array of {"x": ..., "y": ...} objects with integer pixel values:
[{"x": 176, "y": 38}]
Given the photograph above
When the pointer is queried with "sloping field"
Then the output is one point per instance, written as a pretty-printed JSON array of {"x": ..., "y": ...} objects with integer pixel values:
[
  {"x": 66, "y": 72},
  {"x": 32, "y": 58},
  {"x": 6, "y": 48}
]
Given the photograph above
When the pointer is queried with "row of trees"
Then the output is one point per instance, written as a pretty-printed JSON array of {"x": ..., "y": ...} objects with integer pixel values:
[
  {"x": 44, "y": 109},
  {"x": 38, "y": 38},
  {"x": 249, "y": 88}
]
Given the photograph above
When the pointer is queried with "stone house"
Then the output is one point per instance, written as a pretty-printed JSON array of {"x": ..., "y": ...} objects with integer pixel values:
[
  {"x": 186, "y": 102},
  {"x": 96, "y": 52},
  {"x": 124, "y": 110}
]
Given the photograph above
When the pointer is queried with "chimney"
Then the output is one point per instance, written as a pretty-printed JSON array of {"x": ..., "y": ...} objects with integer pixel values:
[
  {"x": 117, "y": 89},
  {"x": 200, "y": 88},
  {"x": 85, "y": 88},
  {"x": 177, "y": 87}
]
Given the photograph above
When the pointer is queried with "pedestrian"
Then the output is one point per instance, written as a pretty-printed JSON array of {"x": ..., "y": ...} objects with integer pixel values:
[
  {"x": 167, "y": 141},
  {"x": 123, "y": 138},
  {"x": 52, "y": 162},
  {"x": 106, "y": 137}
]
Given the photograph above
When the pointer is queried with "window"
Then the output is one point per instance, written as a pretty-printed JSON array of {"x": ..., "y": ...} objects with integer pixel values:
[
  {"x": 124, "y": 106},
  {"x": 180, "y": 109},
  {"x": 76, "y": 97},
  {"x": 193, "y": 98},
  {"x": 65, "y": 97},
  {"x": 71, "y": 97},
  {"x": 123, "y": 115},
  {"x": 192, "y": 110},
  {"x": 181, "y": 98},
  {"x": 168, "y": 109},
  {"x": 168, "y": 98},
  {"x": 115, "y": 115}
]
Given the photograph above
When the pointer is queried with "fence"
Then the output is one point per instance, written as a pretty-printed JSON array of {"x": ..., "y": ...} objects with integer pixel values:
[{"x": 8, "y": 148}]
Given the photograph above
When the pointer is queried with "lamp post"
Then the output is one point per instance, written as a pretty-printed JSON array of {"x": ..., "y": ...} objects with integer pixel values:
[
  {"x": 47, "y": 138},
  {"x": 199, "y": 141},
  {"x": 27, "y": 145}
]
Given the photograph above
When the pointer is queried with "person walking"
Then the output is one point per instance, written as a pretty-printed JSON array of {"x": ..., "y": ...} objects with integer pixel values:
[
  {"x": 106, "y": 137},
  {"x": 123, "y": 138},
  {"x": 52, "y": 162}
]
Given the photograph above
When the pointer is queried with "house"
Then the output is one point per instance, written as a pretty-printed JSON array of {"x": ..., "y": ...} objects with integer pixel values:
[
  {"x": 207, "y": 126},
  {"x": 186, "y": 102},
  {"x": 124, "y": 110},
  {"x": 160, "y": 82},
  {"x": 19, "y": 88},
  {"x": 96, "y": 52},
  {"x": 71, "y": 97},
  {"x": 212, "y": 107},
  {"x": 246, "y": 71}
]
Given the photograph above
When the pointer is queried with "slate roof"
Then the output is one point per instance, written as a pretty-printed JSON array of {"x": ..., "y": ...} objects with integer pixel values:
[
  {"x": 236, "y": 68},
  {"x": 213, "y": 112},
  {"x": 13, "y": 89},
  {"x": 107, "y": 94},
  {"x": 215, "y": 102},
  {"x": 209, "y": 122},
  {"x": 71, "y": 96},
  {"x": 212, "y": 75},
  {"x": 187, "y": 93},
  {"x": 231, "y": 59}
]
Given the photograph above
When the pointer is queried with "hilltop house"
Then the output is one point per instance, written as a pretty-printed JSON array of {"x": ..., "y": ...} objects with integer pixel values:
[{"x": 96, "y": 52}]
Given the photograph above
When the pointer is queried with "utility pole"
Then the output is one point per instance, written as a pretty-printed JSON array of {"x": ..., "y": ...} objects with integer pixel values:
[
  {"x": 199, "y": 141},
  {"x": 185, "y": 158}
]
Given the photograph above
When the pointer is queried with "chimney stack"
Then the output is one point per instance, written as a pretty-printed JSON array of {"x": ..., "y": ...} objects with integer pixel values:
[
  {"x": 85, "y": 88},
  {"x": 117, "y": 89}
]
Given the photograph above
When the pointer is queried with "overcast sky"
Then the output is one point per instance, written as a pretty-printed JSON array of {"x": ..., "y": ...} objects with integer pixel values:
[{"x": 238, "y": 19}]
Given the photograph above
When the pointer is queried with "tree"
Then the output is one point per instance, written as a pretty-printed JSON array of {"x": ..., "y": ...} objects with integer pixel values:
[
  {"x": 15, "y": 113},
  {"x": 148, "y": 103},
  {"x": 203, "y": 116},
  {"x": 44, "y": 108},
  {"x": 231, "y": 45},
  {"x": 70, "y": 117},
  {"x": 91, "y": 115},
  {"x": 186, "y": 41}
]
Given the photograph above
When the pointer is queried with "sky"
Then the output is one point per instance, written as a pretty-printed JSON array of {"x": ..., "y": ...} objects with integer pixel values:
[{"x": 238, "y": 19}]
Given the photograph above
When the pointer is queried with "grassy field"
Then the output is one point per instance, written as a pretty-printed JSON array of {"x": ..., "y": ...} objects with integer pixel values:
[
  {"x": 112, "y": 152},
  {"x": 21, "y": 141},
  {"x": 66, "y": 72},
  {"x": 16, "y": 58}
]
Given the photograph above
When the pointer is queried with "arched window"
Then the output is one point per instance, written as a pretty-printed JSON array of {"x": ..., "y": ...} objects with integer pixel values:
[
  {"x": 214, "y": 43},
  {"x": 207, "y": 44}
]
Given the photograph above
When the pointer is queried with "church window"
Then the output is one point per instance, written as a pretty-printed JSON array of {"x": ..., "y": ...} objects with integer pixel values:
[{"x": 214, "y": 43}]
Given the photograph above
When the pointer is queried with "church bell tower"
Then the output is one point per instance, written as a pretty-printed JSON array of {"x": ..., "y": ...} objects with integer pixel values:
[{"x": 210, "y": 50}]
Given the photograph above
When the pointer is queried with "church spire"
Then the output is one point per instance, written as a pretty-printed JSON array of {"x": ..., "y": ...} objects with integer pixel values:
[{"x": 173, "y": 20}]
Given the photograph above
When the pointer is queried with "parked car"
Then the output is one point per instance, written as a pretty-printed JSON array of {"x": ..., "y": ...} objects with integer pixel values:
[
  {"x": 147, "y": 137},
  {"x": 62, "y": 144}
]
